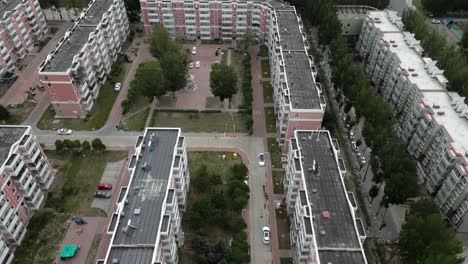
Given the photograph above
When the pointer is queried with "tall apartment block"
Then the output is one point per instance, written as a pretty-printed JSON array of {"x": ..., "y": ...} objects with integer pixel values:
[
  {"x": 146, "y": 227},
  {"x": 74, "y": 72},
  {"x": 26, "y": 175},
  {"x": 433, "y": 121},
  {"x": 21, "y": 24},
  {"x": 299, "y": 103},
  {"x": 324, "y": 227}
]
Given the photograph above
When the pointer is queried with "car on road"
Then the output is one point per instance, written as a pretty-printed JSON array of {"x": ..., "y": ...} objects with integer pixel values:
[
  {"x": 354, "y": 146},
  {"x": 190, "y": 65},
  {"x": 197, "y": 64},
  {"x": 266, "y": 235},
  {"x": 117, "y": 87},
  {"x": 435, "y": 21},
  {"x": 351, "y": 135},
  {"x": 194, "y": 50},
  {"x": 64, "y": 131},
  {"x": 104, "y": 186},
  {"x": 261, "y": 159},
  {"x": 362, "y": 160},
  {"x": 102, "y": 194}
]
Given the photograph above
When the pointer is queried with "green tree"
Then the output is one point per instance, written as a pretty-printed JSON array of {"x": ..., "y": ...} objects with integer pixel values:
[
  {"x": 98, "y": 145},
  {"x": 426, "y": 238},
  {"x": 223, "y": 81},
  {"x": 86, "y": 146},
  {"x": 59, "y": 146},
  {"x": 239, "y": 171},
  {"x": 4, "y": 114},
  {"x": 133, "y": 10},
  {"x": 76, "y": 145},
  {"x": 436, "y": 7},
  {"x": 67, "y": 144},
  {"x": 174, "y": 67},
  {"x": 150, "y": 79},
  {"x": 247, "y": 40},
  {"x": 161, "y": 42},
  {"x": 464, "y": 43}
]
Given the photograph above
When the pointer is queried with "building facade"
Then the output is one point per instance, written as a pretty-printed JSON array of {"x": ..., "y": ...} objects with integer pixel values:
[
  {"x": 324, "y": 227},
  {"x": 21, "y": 24},
  {"x": 433, "y": 121},
  {"x": 146, "y": 227},
  {"x": 26, "y": 175},
  {"x": 74, "y": 72}
]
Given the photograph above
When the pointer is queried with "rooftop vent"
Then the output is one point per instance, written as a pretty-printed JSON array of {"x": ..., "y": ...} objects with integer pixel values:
[
  {"x": 326, "y": 214},
  {"x": 441, "y": 113},
  {"x": 394, "y": 45},
  {"x": 115, "y": 260},
  {"x": 410, "y": 69},
  {"x": 414, "y": 74},
  {"x": 435, "y": 106},
  {"x": 136, "y": 211},
  {"x": 392, "y": 41}
]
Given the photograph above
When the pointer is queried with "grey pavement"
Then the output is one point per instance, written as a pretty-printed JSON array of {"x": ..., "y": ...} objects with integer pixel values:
[{"x": 110, "y": 175}]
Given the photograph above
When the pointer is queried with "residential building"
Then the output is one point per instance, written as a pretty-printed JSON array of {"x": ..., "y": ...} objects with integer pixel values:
[
  {"x": 26, "y": 175},
  {"x": 299, "y": 102},
  {"x": 74, "y": 72},
  {"x": 21, "y": 24},
  {"x": 433, "y": 121},
  {"x": 351, "y": 18},
  {"x": 324, "y": 227},
  {"x": 146, "y": 227}
]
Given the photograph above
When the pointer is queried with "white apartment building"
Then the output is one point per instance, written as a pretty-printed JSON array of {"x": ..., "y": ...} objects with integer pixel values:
[
  {"x": 433, "y": 121},
  {"x": 26, "y": 175},
  {"x": 74, "y": 72},
  {"x": 146, "y": 227},
  {"x": 324, "y": 228}
]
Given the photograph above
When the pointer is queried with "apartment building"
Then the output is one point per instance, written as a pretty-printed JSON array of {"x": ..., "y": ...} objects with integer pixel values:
[
  {"x": 299, "y": 102},
  {"x": 146, "y": 227},
  {"x": 26, "y": 175},
  {"x": 324, "y": 227},
  {"x": 74, "y": 72},
  {"x": 433, "y": 121},
  {"x": 22, "y": 22},
  {"x": 205, "y": 19}
]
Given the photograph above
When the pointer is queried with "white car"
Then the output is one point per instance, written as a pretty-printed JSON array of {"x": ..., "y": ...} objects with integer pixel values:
[
  {"x": 190, "y": 65},
  {"x": 435, "y": 21},
  {"x": 354, "y": 146},
  {"x": 64, "y": 131},
  {"x": 351, "y": 135},
  {"x": 117, "y": 87},
  {"x": 194, "y": 50},
  {"x": 261, "y": 159},
  {"x": 197, "y": 64},
  {"x": 266, "y": 235}
]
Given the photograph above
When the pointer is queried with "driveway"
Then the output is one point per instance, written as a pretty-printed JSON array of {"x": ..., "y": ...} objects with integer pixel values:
[{"x": 110, "y": 175}]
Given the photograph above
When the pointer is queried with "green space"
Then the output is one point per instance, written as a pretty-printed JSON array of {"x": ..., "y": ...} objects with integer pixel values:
[
  {"x": 70, "y": 195},
  {"x": 202, "y": 122},
  {"x": 102, "y": 107},
  {"x": 265, "y": 68},
  {"x": 278, "y": 186},
  {"x": 21, "y": 112},
  {"x": 263, "y": 51},
  {"x": 270, "y": 120},
  {"x": 286, "y": 261},
  {"x": 275, "y": 152},
  {"x": 282, "y": 225},
  {"x": 224, "y": 57},
  {"x": 42, "y": 43},
  {"x": 213, "y": 224},
  {"x": 213, "y": 102},
  {"x": 236, "y": 62},
  {"x": 267, "y": 92},
  {"x": 135, "y": 121}
]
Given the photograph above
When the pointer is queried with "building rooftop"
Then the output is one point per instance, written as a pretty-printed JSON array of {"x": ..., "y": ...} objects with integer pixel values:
[
  {"x": 139, "y": 222},
  {"x": 386, "y": 20},
  {"x": 8, "y": 6},
  {"x": 78, "y": 36},
  {"x": 8, "y": 136},
  {"x": 333, "y": 218},
  {"x": 302, "y": 88},
  {"x": 288, "y": 28}
]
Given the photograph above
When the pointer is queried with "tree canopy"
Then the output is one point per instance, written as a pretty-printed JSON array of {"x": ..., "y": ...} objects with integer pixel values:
[
  {"x": 174, "y": 67},
  {"x": 150, "y": 79},
  {"x": 441, "y": 7},
  {"x": 4, "y": 114},
  {"x": 133, "y": 10},
  {"x": 223, "y": 81},
  {"x": 426, "y": 238}
]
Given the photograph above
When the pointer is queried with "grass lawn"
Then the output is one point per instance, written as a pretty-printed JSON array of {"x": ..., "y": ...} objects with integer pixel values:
[
  {"x": 22, "y": 112},
  {"x": 236, "y": 62},
  {"x": 275, "y": 152},
  {"x": 99, "y": 113},
  {"x": 283, "y": 229},
  {"x": 213, "y": 160},
  {"x": 267, "y": 92},
  {"x": 135, "y": 122},
  {"x": 286, "y": 261},
  {"x": 48, "y": 227},
  {"x": 265, "y": 69},
  {"x": 270, "y": 120},
  {"x": 263, "y": 51},
  {"x": 206, "y": 122},
  {"x": 278, "y": 182},
  {"x": 224, "y": 57}
]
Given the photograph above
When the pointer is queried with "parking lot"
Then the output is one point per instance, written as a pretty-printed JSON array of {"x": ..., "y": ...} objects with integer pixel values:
[
  {"x": 110, "y": 176},
  {"x": 195, "y": 98}
]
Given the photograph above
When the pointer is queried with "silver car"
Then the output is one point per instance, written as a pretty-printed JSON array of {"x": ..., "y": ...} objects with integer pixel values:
[{"x": 64, "y": 131}]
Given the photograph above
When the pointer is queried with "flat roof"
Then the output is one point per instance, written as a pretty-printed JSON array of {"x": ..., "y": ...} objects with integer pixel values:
[
  {"x": 288, "y": 29},
  {"x": 8, "y": 6},
  {"x": 385, "y": 20},
  {"x": 139, "y": 223},
  {"x": 302, "y": 88},
  {"x": 8, "y": 136},
  {"x": 63, "y": 58},
  {"x": 333, "y": 221}
]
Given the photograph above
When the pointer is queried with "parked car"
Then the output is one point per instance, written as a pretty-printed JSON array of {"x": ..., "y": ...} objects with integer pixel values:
[
  {"x": 261, "y": 159},
  {"x": 104, "y": 186},
  {"x": 190, "y": 65},
  {"x": 117, "y": 87},
  {"x": 362, "y": 160},
  {"x": 435, "y": 21},
  {"x": 64, "y": 131},
  {"x": 194, "y": 50},
  {"x": 197, "y": 64},
  {"x": 351, "y": 135},
  {"x": 354, "y": 146},
  {"x": 102, "y": 194},
  {"x": 266, "y": 235}
]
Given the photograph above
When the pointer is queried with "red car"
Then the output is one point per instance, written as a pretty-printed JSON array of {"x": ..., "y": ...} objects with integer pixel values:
[{"x": 104, "y": 186}]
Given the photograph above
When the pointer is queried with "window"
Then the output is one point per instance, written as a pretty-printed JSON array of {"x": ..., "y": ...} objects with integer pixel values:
[
  {"x": 13, "y": 190},
  {"x": 46, "y": 77},
  {"x": 52, "y": 91},
  {"x": 17, "y": 197},
  {"x": 8, "y": 183},
  {"x": 48, "y": 84}
]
